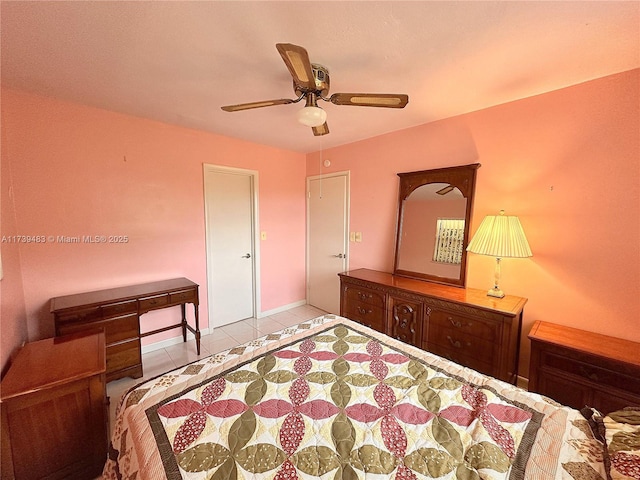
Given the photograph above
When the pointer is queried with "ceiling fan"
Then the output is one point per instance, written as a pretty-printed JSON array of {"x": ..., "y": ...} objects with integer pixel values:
[{"x": 311, "y": 82}]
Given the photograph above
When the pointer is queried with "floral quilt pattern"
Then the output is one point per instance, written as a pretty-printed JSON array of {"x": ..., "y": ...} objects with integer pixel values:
[{"x": 337, "y": 403}]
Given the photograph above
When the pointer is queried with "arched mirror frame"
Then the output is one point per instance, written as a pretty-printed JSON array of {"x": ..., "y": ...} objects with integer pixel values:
[{"x": 462, "y": 177}]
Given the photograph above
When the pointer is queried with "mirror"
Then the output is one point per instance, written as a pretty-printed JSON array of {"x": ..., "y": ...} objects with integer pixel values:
[{"x": 434, "y": 212}]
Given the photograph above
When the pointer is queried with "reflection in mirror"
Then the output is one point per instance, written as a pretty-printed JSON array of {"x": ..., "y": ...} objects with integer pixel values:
[
  {"x": 433, "y": 231},
  {"x": 433, "y": 224}
]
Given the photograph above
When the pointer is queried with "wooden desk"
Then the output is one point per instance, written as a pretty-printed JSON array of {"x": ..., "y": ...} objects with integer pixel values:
[
  {"x": 117, "y": 311},
  {"x": 54, "y": 409}
]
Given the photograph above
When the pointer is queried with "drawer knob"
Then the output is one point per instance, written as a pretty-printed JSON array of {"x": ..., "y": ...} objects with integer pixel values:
[
  {"x": 363, "y": 311},
  {"x": 364, "y": 296}
]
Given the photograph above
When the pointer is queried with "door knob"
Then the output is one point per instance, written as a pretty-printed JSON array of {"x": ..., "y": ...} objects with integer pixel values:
[
  {"x": 248, "y": 255},
  {"x": 340, "y": 255}
]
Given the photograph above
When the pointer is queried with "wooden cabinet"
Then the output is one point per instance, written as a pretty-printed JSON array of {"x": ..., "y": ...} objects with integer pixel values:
[
  {"x": 54, "y": 410},
  {"x": 117, "y": 312},
  {"x": 579, "y": 368},
  {"x": 461, "y": 324}
]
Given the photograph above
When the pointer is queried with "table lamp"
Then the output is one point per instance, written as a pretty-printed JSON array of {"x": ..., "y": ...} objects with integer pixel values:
[{"x": 500, "y": 236}]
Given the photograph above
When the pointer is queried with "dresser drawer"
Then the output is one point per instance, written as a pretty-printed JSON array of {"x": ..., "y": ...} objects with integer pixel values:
[
  {"x": 471, "y": 327},
  {"x": 151, "y": 303},
  {"x": 589, "y": 369},
  {"x": 126, "y": 327},
  {"x": 115, "y": 309},
  {"x": 359, "y": 295},
  {"x": 186, "y": 296},
  {"x": 368, "y": 315},
  {"x": 464, "y": 357},
  {"x": 464, "y": 344},
  {"x": 123, "y": 355}
]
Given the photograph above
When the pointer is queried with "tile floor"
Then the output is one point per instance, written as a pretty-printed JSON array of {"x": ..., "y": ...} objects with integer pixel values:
[{"x": 163, "y": 360}]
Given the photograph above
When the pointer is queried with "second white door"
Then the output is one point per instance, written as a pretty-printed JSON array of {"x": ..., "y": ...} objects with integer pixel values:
[
  {"x": 229, "y": 210},
  {"x": 327, "y": 239}
]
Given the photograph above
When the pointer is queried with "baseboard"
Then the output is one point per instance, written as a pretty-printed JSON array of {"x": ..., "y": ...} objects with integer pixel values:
[
  {"x": 281, "y": 309},
  {"x": 171, "y": 341}
]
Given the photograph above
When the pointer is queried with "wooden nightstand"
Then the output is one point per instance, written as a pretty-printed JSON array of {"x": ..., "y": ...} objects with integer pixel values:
[
  {"x": 579, "y": 368},
  {"x": 54, "y": 409}
]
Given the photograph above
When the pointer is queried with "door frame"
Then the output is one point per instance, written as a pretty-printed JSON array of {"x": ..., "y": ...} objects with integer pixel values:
[
  {"x": 255, "y": 240},
  {"x": 347, "y": 219}
]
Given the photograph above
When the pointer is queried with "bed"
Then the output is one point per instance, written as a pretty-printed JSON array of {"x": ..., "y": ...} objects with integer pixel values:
[{"x": 332, "y": 399}]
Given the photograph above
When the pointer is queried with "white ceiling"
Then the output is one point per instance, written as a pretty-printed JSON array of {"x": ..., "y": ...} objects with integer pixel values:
[{"x": 180, "y": 61}]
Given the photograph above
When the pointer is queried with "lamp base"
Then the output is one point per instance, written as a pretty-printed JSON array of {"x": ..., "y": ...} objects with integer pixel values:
[{"x": 495, "y": 292}]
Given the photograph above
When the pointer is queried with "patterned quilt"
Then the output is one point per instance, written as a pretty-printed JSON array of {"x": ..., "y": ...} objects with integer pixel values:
[{"x": 332, "y": 399}]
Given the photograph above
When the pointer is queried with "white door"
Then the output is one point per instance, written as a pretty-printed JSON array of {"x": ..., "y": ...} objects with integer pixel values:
[
  {"x": 231, "y": 254},
  {"x": 327, "y": 238}
]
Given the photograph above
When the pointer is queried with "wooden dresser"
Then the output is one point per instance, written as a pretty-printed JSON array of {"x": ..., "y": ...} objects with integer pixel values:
[
  {"x": 461, "y": 324},
  {"x": 579, "y": 368},
  {"x": 54, "y": 410},
  {"x": 117, "y": 311}
]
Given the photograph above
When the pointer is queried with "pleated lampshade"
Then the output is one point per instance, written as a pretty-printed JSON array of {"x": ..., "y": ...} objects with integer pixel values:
[{"x": 500, "y": 236}]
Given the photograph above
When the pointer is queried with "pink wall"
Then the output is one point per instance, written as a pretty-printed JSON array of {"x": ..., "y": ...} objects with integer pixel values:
[
  {"x": 78, "y": 170},
  {"x": 566, "y": 162}
]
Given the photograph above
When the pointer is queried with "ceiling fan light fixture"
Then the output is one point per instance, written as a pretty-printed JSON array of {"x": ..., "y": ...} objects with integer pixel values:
[{"x": 312, "y": 116}]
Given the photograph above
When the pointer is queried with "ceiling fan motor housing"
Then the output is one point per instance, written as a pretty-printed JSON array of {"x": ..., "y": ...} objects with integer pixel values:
[{"x": 321, "y": 77}]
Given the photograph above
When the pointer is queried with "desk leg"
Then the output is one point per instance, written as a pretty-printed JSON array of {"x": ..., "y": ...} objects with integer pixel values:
[
  {"x": 184, "y": 322},
  {"x": 197, "y": 333},
  {"x": 185, "y": 325}
]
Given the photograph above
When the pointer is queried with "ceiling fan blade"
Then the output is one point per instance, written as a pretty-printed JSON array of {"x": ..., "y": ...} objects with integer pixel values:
[
  {"x": 265, "y": 103},
  {"x": 445, "y": 190},
  {"x": 388, "y": 100},
  {"x": 297, "y": 61},
  {"x": 321, "y": 130}
]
